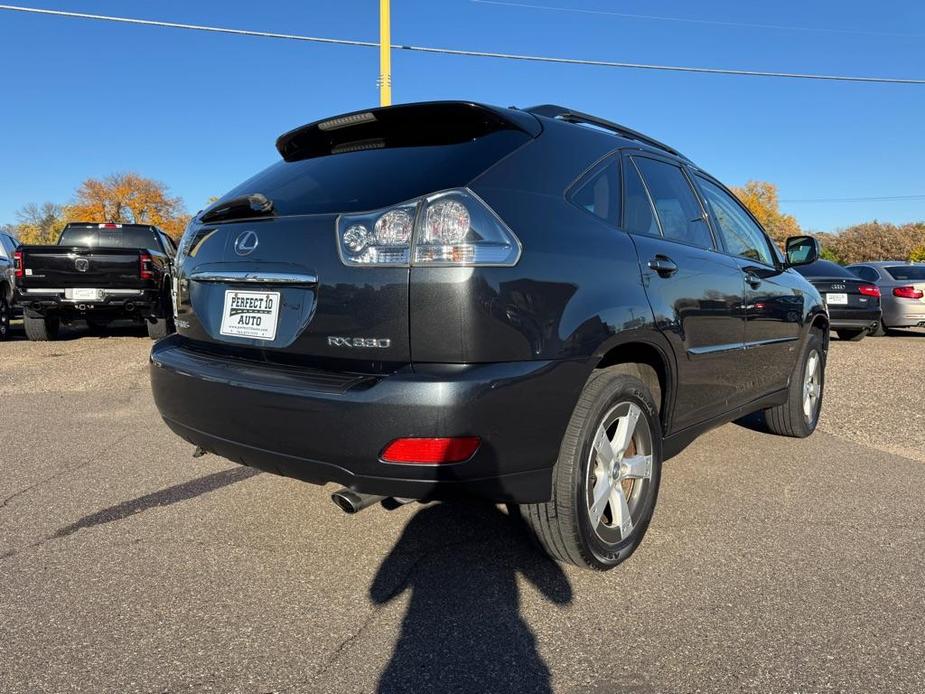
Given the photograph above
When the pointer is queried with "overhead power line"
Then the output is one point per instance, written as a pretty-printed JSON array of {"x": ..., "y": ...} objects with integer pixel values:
[
  {"x": 691, "y": 20},
  {"x": 884, "y": 198},
  {"x": 477, "y": 54}
]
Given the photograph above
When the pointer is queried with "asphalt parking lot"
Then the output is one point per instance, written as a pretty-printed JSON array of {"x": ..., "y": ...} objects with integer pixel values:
[{"x": 771, "y": 565}]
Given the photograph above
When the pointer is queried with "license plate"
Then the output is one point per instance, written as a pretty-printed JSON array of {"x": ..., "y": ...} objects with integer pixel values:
[
  {"x": 836, "y": 299},
  {"x": 250, "y": 314},
  {"x": 84, "y": 294}
]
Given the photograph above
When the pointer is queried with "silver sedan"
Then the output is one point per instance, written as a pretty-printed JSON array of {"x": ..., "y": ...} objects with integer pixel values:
[{"x": 902, "y": 289}]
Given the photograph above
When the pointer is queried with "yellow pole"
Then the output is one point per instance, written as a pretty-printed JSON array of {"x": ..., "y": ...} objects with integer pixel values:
[{"x": 385, "y": 54}]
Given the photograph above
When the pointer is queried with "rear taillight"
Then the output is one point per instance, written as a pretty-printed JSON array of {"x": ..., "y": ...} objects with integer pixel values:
[
  {"x": 451, "y": 228},
  {"x": 425, "y": 451},
  {"x": 109, "y": 225},
  {"x": 869, "y": 290},
  {"x": 908, "y": 292},
  {"x": 145, "y": 271},
  {"x": 17, "y": 263}
]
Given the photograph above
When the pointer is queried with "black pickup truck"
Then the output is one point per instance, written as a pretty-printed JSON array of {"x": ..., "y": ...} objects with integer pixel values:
[{"x": 98, "y": 273}]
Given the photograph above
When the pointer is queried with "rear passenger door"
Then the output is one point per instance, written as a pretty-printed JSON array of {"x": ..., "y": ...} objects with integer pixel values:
[
  {"x": 695, "y": 292},
  {"x": 773, "y": 297}
]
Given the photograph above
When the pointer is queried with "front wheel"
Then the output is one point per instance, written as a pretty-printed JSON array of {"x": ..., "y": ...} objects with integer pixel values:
[
  {"x": 5, "y": 317},
  {"x": 799, "y": 414},
  {"x": 605, "y": 482}
]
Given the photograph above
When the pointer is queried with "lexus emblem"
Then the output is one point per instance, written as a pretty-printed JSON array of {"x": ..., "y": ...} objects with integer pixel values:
[
  {"x": 81, "y": 264},
  {"x": 246, "y": 242}
]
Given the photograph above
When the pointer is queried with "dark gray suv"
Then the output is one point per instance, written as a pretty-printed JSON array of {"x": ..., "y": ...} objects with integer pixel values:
[
  {"x": 532, "y": 306},
  {"x": 8, "y": 245}
]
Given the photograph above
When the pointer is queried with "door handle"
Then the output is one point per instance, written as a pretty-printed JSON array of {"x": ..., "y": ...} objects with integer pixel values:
[
  {"x": 663, "y": 265},
  {"x": 754, "y": 281}
]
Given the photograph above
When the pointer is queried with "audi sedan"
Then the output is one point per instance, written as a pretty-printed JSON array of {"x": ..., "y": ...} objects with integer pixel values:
[
  {"x": 853, "y": 303},
  {"x": 903, "y": 288}
]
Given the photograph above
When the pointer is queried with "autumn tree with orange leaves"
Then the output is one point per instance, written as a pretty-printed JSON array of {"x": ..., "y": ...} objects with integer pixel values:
[
  {"x": 128, "y": 198},
  {"x": 760, "y": 197}
]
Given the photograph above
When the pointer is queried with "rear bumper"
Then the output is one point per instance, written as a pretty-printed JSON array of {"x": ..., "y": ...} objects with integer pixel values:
[
  {"x": 853, "y": 318},
  {"x": 120, "y": 303},
  {"x": 331, "y": 427},
  {"x": 904, "y": 314}
]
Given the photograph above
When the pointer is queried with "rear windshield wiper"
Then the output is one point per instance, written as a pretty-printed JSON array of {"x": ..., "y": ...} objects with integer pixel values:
[{"x": 241, "y": 207}]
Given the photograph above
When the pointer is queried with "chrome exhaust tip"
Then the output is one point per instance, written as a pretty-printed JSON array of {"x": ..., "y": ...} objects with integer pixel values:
[{"x": 351, "y": 502}]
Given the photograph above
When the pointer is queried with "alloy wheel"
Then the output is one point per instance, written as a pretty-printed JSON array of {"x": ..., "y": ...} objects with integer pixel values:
[
  {"x": 812, "y": 385},
  {"x": 619, "y": 472}
]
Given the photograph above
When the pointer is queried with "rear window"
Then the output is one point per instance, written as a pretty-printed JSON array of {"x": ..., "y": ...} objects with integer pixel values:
[
  {"x": 108, "y": 238},
  {"x": 377, "y": 176},
  {"x": 912, "y": 273}
]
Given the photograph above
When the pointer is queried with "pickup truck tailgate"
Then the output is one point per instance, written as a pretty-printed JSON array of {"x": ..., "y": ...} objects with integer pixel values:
[{"x": 61, "y": 267}]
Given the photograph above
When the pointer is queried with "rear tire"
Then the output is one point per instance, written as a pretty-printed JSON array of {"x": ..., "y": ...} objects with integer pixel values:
[
  {"x": 799, "y": 415},
  {"x": 6, "y": 314},
  {"x": 39, "y": 329},
  {"x": 157, "y": 328},
  {"x": 605, "y": 482},
  {"x": 851, "y": 335}
]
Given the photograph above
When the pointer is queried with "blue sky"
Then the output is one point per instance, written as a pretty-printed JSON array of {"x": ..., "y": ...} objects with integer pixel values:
[{"x": 201, "y": 111}]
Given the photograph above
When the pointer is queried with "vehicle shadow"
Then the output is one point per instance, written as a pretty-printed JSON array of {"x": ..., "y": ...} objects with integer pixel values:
[
  {"x": 80, "y": 330},
  {"x": 463, "y": 630},
  {"x": 754, "y": 422},
  {"x": 164, "y": 497}
]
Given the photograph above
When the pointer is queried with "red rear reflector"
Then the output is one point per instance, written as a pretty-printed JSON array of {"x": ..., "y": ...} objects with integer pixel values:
[
  {"x": 869, "y": 290},
  {"x": 17, "y": 263},
  {"x": 431, "y": 451},
  {"x": 144, "y": 266},
  {"x": 908, "y": 292}
]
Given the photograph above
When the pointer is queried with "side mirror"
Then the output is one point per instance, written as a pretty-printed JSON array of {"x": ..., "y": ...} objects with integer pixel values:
[{"x": 802, "y": 250}]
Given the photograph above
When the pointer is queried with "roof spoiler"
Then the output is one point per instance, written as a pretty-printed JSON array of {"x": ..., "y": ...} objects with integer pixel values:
[
  {"x": 406, "y": 125},
  {"x": 108, "y": 225},
  {"x": 572, "y": 116}
]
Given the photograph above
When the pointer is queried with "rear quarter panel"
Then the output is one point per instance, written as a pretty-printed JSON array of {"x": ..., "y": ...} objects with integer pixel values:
[{"x": 576, "y": 286}]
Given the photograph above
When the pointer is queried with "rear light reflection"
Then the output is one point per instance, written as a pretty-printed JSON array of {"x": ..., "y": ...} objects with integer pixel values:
[
  {"x": 908, "y": 292},
  {"x": 426, "y": 451},
  {"x": 869, "y": 290}
]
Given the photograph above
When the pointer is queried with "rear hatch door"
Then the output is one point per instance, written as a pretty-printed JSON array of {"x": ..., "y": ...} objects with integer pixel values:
[
  {"x": 259, "y": 272},
  {"x": 289, "y": 294}
]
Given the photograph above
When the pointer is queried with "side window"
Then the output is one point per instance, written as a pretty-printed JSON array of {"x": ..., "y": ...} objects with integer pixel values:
[
  {"x": 742, "y": 236},
  {"x": 638, "y": 215},
  {"x": 865, "y": 273},
  {"x": 600, "y": 194},
  {"x": 679, "y": 212}
]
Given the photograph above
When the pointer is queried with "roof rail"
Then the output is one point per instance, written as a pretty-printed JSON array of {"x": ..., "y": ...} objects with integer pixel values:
[{"x": 571, "y": 116}]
